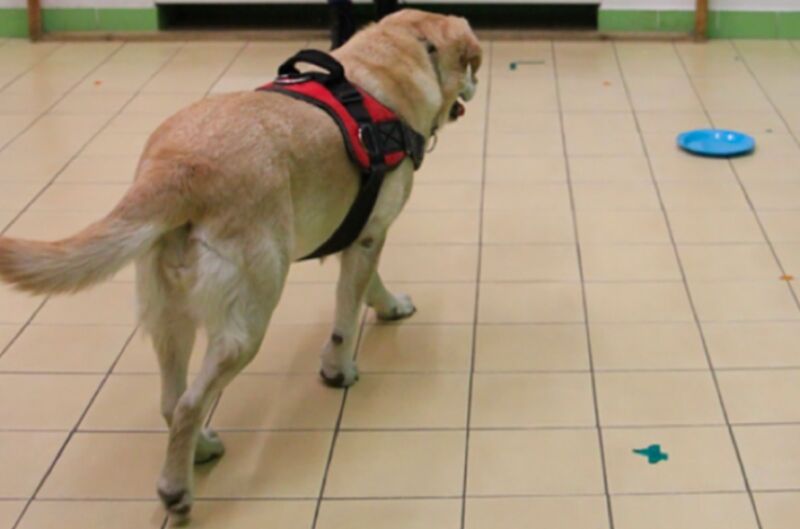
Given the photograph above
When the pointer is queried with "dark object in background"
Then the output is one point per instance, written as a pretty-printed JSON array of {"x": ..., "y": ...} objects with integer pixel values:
[{"x": 343, "y": 24}]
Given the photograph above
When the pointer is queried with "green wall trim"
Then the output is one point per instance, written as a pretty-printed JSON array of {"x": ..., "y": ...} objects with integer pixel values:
[
  {"x": 721, "y": 24},
  {"x": 14, "y": 22}
]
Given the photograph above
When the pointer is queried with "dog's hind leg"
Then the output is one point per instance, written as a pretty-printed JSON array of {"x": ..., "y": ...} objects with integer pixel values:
[
  {"x": 238, "y": 304},
  {"x": 388, "y": 306},
  {"x": 359, "y": 262}
]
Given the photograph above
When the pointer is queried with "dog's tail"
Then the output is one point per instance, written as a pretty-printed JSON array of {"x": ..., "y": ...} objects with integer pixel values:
[{"x": 95, "y": 253}]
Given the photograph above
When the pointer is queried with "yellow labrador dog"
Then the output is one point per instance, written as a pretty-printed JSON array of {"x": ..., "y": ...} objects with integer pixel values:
[{"x": 228, "y": 193}]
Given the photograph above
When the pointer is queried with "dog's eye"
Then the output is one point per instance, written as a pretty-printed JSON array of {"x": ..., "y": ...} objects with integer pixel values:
[{"x": 431, "y": 47}]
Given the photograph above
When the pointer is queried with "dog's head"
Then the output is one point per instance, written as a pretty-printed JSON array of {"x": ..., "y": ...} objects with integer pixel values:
[{"x": 454, "y": 52}]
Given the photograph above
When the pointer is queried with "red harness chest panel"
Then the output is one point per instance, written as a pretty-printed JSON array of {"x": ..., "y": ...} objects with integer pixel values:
[{"x": 377, "y": 140}]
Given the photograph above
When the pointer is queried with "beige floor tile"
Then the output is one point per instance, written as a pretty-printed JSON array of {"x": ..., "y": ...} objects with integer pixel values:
[
  {"x": 429, "y": 263},
  {"x": 548, "y": 143},
  {"x": 728, "y": 262},
  {"x": 126, "y": 402},
  {"x": 253, "y": 514},
  {"x": 789, "y": 255},
  {"x": 435, "y": 227},
  {"x": 765, "y": 168},
  {"x": 532, "y": 400},
  {"x": 761, "y": 396},
  {"x": 531, "y": 348},
  {"x": 443, "y": 168},
  {"x": 778, "y": 510},
  {"x": 517, "y": 513},
  {"x": 752, "y": 344},
  {"x": 613, "y": 196},
  {"x": 397, "y": 464},
  {"x": 390, "y": 514},
  {"x": 530, "y": 303},
  {"x": 6, "y": 216},
  {"x": 592, "y": 95},
  {"x": 691, "y": 227},
  {"x": 619, "y": 135},
  {"x": 671, "y": 121},
  {"x": 650, "y": 399},
  {"x": 542, "y": 169},
  {"x": 534, "y": 462},
  {"x": 703, "y": 196},
  {"x": 108, "y": 304},
  {"x": 14, "y": 196},
  {"x": 733, "y": 511},
  {"x": 81, "y": 515},
  {"x": 266, "y": 402},
  {"x": 771, "y": 456},
  {"x": 446, "y": 196},
  {"x": 99, "y": 198},
  {"x": 56, "y": 348},
  {"x": 629, "y": 263},
  {"x": 163, "y": 103},
  {"x": 90, "y": 466},
  {"x": 606, "y": 169},
  {"x": 527, "y": 227},
  {"x": 25, "y": 458},
  {"x": 305, "y": 304},
  {"x": 44, "y": 402},
  {"x": 613, "y": 227},
  {"x": 407, "y": 401},
  {"x": 91, "y": 103},
  {"x": 442, "y": 303},
  {"x": 415, "y": 348},
  {"x": 267, "y": 465},
  {"x": 682, "y": 168},
  {"x": 774, "y": 194},
  {"x": 117, "y": 144},
  {"x": 744, "y": 301},
  {"x": 460, "y": 143},
  {"x": 17, "y": 307},
  {"x": 510, "y": 196},
  {"x": 651, "y": 346},
  {"x": 638, "y": 302},
  {"x": 7, "y": 333},
  {"x": 781, "y": 226},
  {"x": 701, "y": 459},
  {"x": 314, "y": 271},
  {"x": 529, "y": 263},
  {"x": 9, "y": 512},
  {"x": 501, "y": 120}
]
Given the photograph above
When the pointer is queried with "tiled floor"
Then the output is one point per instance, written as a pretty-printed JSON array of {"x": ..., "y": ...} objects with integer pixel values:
[{"x": 584, "y": 290}]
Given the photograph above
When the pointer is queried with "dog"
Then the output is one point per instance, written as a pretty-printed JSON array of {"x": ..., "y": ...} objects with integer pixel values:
[{"x": 228, "y": 193}]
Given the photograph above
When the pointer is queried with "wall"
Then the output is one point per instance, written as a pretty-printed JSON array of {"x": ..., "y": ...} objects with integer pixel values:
[{"x": 729, "y": 18}]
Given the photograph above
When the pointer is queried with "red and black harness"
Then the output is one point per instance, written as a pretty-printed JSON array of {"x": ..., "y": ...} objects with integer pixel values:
[{"x": 377, "y": 139}]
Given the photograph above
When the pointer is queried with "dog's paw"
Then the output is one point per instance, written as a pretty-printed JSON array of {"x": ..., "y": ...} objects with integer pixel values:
[
  {"x": 209, "y": 447},
  {"x": 177, "y": 502},
  {"x": 344, "y": 378},
  {"x": 401, "y": 309}
]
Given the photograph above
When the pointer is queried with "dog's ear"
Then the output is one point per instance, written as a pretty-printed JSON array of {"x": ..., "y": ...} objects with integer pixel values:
[{"x": 471, "y": 52}]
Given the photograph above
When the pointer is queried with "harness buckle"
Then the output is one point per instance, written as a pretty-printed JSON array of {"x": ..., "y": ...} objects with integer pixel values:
[{"x": 368, "y": 137}]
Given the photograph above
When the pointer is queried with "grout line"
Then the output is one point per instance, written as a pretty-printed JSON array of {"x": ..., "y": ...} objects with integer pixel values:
[
  {"x": 584, "y": 299},
  {"x": 687, "y": 288},
  {"x": 478, "y": 283},
  {"x": 764, "y": 91},
  {"x": 337, "y": 429},
  {"x": 28, "y": 69},
  {"x": 113, "y": 365},
  {"x": 71, "y": 433},
  {"x": 66, "y": 92}
]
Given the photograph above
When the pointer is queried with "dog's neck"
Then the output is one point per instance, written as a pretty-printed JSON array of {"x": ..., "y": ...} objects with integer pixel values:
[{"x": 399, "y": 75}]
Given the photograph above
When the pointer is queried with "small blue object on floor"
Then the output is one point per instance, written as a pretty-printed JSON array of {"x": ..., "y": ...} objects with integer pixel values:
[
  {"x": 718, "y": 143},
  {"x": 653, "y": 454}
]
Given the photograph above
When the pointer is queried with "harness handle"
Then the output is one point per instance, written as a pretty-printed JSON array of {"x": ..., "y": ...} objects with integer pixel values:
[{"x": 317, "y": 58}]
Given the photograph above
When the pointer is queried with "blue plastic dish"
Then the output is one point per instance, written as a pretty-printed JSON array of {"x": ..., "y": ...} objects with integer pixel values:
[{"x": 716, "y": 142}]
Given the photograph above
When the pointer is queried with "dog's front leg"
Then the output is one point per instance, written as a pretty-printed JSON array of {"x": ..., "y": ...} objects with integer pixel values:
[{"x": 359, "y": 262}]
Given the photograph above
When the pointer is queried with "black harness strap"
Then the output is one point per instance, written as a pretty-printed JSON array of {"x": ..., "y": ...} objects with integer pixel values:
[{"x": 378, "y": 139}]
